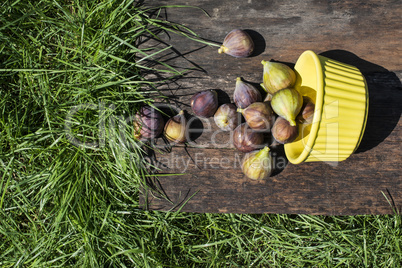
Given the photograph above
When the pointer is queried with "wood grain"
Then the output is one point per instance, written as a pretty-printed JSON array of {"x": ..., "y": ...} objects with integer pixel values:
[{"x": 366, "y": 34}]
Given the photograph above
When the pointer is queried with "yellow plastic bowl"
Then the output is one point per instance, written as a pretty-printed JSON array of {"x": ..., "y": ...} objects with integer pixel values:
[{"x": 340, "y": 94}]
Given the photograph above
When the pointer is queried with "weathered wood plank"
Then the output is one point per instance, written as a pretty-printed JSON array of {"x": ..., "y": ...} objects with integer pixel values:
[
  {"x": 355, "y": 186},
  {"x": 366, "y": 34}
]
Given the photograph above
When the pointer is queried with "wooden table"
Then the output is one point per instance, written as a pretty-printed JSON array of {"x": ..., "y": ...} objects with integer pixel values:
[{"x": 366, "y": 34}]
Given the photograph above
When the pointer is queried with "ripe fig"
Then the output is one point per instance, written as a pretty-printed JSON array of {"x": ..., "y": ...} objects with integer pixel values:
[
  {"x": 277, "y": 76},
  {"x": 287, "y": 103},
  {"x": 245, "y": 94},
  {"x": 258, "y": 165},
  {"x": 246, "y": 139},
  {"x": 237, "y": 43},
  {"x": 148, "y": 123},
  {"x": 204, "y": 103},
  {"x": 226, "y": 117},
  {"x": 176, "y": 128},
  {"x": 283, "y": 132},
  {"x": 306, "y": 114},
  {"x": 258, "y": 115}
]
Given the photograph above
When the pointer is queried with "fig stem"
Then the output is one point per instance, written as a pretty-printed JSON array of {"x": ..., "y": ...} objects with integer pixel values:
[
  {"x": 292, "y": 122},
  {"x": 240, "y": 110},
  {"x": 137, "y": 136},
  {"x": 222, "y": 49},
  {"x": 264, "y": 152}
]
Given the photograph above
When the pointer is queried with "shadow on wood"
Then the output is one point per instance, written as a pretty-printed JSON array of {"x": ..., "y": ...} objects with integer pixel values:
[
  {"x": 259, "y": 42},
  {"x": 195, "y": 127},
  {"x": 223, "y": 97}
]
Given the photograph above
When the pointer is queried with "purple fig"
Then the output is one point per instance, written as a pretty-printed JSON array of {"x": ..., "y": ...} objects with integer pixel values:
[
  {"x": 258, "y": 115},
  {"x": 245, "y": 94},
  {"x": 204, "y": 103},
  {"x": 148, "y": 123},
  {"x": 237, "y": 43},
  {"x": 306, "y": 113},
  {"x": 283, "y": 132},
  {"x": 246, "y": 139}
]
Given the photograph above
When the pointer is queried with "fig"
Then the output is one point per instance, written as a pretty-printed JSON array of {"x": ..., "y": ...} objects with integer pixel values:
[
  {"x": 306, "y": 114},
  {"x": 258, "y": 115},
  {"x": 176, "y": 128},
  {"x": 287, "y": 104},
  {"x": 148, "y": 123},
  {"x": 245, "y": 94},
  {"x": 277, "y": 76},
  {"x": 204, "y": 103},
  {"x": 257, "y": 165},
  {"x": 237, "y": 43},
  {"x": 283, "y": 132},
  {"x": 268, "y": 97},
  {"x": 246, "y": 139},
  {"x": 226, "y": 117}
]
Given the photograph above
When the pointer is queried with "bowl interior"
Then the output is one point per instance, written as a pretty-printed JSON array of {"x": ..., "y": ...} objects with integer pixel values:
[{"x": 309, "y": 83}]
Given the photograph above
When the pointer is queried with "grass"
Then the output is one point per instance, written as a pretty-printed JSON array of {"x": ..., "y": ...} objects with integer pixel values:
[{"x": 71, "y": 73}]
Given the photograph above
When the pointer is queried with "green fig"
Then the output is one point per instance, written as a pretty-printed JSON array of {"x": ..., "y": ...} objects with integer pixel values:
[
  {"x": 175, "y": 128},
  {"x": 277, "y": 76},
  {"x": 287, "y": 103},
  {"x": 226, "y": 117},
  {"x": 258, "y": 165}
]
